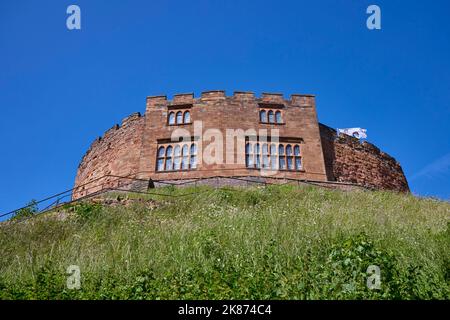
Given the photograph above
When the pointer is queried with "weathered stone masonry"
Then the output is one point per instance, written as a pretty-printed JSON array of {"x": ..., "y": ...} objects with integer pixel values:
[
  {"x": 131, "y": 148},
  {"x": 348, "y": 160}
]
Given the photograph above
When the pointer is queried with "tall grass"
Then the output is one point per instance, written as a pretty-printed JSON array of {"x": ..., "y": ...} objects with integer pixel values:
[{"x": 278, "y": 242}]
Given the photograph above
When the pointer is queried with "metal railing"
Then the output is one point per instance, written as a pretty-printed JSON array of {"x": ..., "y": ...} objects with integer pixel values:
[{"x": 128, "y": 183}]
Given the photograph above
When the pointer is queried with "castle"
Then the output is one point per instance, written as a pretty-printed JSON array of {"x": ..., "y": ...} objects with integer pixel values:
[{"x": 276, "y": 139}]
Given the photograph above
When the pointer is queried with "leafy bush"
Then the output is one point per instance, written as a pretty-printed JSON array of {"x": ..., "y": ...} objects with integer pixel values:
[
  {"x": 86, "y": 210},
  {"x": 28, "y": 211}
]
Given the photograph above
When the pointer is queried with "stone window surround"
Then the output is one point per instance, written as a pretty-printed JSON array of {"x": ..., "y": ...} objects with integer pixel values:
[
  {"x": 187, "y": 151},
  {"x": 285, "y": 142},
  {"x": 179, "y": 109},
  {"x": 275, "y": 109}
]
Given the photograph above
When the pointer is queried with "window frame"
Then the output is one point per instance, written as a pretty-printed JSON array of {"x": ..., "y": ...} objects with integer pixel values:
[
  {"x": 281, "y": 156},
  {"x": 175, "y": 110},
  {"x": 271, "y": 112},
  {"x": 175, "y": 160}
]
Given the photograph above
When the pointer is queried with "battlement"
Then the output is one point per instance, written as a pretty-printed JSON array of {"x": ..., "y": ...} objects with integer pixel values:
[{"x": 299, "y": 100}]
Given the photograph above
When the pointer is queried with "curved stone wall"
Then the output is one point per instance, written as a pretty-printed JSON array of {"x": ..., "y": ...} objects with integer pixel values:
[
  {"x": 116, "y": 153},
  {"x": 348, "y": 160}
]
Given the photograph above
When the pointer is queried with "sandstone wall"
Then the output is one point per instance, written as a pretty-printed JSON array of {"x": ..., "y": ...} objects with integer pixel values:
[
  {"x": 239, "y": 111},
  {"x": 348, "y": 160},
  {"x": 117, "y": 152}
]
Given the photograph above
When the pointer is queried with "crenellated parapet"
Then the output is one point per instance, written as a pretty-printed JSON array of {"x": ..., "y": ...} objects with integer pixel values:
[{"x": 295, "y": 100}]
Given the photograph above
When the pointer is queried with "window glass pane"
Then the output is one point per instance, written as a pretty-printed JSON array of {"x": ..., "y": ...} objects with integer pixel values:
[
  {"x": 179, "y": 117},
  {"x": 256, "y": 149},
  {"x": 265, "y": 161},
  {"x": 187, "y": 117},
  {"x": 271, "y": 116},
  {"x": 160, "y": 166},
  {"x": 281, "y": 149},
  {"x": 278, "y": 116},
  {"x": 193, "y": 149},
  {"x": 171, "y": 118},
  {"x": 289, "y": 150},
  {"x": 258, "y": 161},
  {"x": 169, "y": 151},
  {"x": 248, "y": 146},
  {"x": 185, "y": 150},
  {"x": 168, "y": 164},
  {"x": 273, "y": 148},
  {"x": 297, "y": 150},
  {"x": 249, "y": 160},
  {"x": 290, "y": 164},
  {"x": 185, "y": 163},
  {"x": 177, "y": 150},
  {"x": 265, "y": 149},
  {"x": 193, "y": 162},
  {"x": 273, "y": 162},
  {"x": 161, "y": 152},
  {"x": 298, "y": 163},
  {"x": 262, "y": 116},
  {"x": 282, "y": 163},
  {"x": 177, "y": 163}
]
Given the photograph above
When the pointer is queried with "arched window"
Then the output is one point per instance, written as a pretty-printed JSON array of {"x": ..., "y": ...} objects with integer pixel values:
[
  {"x": 263, "y": 116},
  {"x": 179, "y": 117},
  {"x": 187, "y": 117},
  {"x": 169, "y": 158},
  {"x": 278, "y": 117},
  {"x": 185, "y": 150},
  {"x": 273, "y": 156},
  {"x": 273, "y": 149},
  {"x": 265, "y": 156},
  {"x": 270, "y": 116},
  {"x": 193, "y": 161},
  {"x": 257, "y": 156},
  {"x": 177, "y": 158},
  {"x": 281, "y": 150},
  {"x": 161, "y": 152},
  {"x": 298, "y": 159},
  {"x": 193, "y": 149},
  {"x": 160, "y": 160},
  {"x": 289, "y": 158},
  {"x": 298, "y": 163},
  {"x": 249, "y": 159},
  {"x": 289, "y": 150},
  {"x": 185, "y": 158},
  {"x": 281, "y": 158},
  {"x": 265, "y": 149},
  {"x": 248, "y": 146},
  {"x": 171, "y": 118}
]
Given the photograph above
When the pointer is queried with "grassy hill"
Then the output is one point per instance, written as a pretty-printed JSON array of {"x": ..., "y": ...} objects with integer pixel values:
[{"x": 278, "y": 242}]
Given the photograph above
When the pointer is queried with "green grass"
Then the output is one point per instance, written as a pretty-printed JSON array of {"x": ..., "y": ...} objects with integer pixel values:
[{"x": 278, "y": 242}]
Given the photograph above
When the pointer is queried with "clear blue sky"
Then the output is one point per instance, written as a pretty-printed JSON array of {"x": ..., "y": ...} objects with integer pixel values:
[{"x": 59, "y": 89}]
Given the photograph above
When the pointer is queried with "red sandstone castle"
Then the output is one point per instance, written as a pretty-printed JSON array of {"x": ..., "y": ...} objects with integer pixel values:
[{"x": 144, "y": 147}]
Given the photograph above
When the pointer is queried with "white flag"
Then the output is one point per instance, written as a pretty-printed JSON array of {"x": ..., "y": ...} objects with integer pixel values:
[{"x": 357, "y": 133}]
